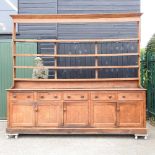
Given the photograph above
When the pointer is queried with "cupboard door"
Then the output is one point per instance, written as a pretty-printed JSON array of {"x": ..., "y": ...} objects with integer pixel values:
[
  {"x": 76, "y": 114},
  {"x": 21, "y": 114},
  {"x": 130, "y": 113},
  {"x": 103, "y": 114},
  {"x": 49, "y": 113}
]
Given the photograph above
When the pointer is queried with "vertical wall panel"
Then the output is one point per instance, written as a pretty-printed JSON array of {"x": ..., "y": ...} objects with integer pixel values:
[
  {"x": 5, "y": 74},
  {"x": 29, "y": 48},
  {"x": 6, "y": 68}
]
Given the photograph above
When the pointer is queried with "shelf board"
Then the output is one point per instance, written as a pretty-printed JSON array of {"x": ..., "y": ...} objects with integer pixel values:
[
  {"x": 76, "y": 41},
  {"x": 74, "y": 67},
  {"x": 74, "y": 55},
  {"x": 81, "y": 89},
  {"x": 63, "y": 80}
]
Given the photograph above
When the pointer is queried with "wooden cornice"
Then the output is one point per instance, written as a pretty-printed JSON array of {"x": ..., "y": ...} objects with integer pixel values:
[{"x": 75, "y": 18}]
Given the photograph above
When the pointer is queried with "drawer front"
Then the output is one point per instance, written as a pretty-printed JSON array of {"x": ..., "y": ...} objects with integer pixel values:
[
  {"x": 76, "y": 96},
  {"x": 24, "y": 96},
  {"x": 131, "y": 96},
  {"x": 106, "y": 96},
  {"x": 49, "y": 96}
]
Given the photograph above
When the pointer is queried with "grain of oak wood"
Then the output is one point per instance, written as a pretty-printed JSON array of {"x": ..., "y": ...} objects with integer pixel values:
[
  {"x": 79, "y": 106},
  {"x": 74, "y": 109}
]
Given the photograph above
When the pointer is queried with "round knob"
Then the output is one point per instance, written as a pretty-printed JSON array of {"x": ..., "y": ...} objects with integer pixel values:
[
  {"x": 28, "y": 96},
  {"x": 123, "y": 96},
  {"x": 55, "y": 96},
  {"x": 14, "y": 96},
  {"x": 68, "y": 97},
  {"x": 96, "y": 96},
  {"x": 42, "y": 96},
  {"x": 110, "y": 97},
  {"x": 82, "y": 96}
]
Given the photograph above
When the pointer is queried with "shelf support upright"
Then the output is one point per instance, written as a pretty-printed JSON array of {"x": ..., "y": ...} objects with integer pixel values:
[
  {"x": 14, "y": 50},
  {"x": 96, "y": 61},
  {"x": 55, "y": 60},
  {"x": 139, "y": 40}
]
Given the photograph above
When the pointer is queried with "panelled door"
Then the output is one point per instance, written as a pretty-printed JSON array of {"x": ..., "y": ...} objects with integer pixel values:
[
  {"x": 130, "y": 109},
  {"x": 75, "y": 108},
  {"x": 22, "y": 109},
  {"x": 130, "y": 113},
  {"x": 75, "y": 114},
  {"x": 49, "y": 109},
  {"x": 103, "y": 108},
  {"x": 49, "y": 114},
  {"x": 103, "y": 114}
]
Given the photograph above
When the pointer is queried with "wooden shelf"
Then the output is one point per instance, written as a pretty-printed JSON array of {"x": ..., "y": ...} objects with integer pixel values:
[
  {"x": 75, "y": 55},
  {"x": 76, "y": 18},
  {"x": 63, "y": 80},
  {"x": 70, "y": 89},
  {"x": 77, "y": 41},
  {"x": 75, "y": 67}
]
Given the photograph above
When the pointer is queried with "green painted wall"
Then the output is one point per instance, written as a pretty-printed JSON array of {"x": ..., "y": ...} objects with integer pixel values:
[{"x": 6, "y": 68}]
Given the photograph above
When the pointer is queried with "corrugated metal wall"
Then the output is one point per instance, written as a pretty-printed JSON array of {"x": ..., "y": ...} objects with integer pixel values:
[
  {"x": 99, "y": 31},
  {"x": 82, "y": 31},
  {"x": 98, "y": 6},
  {"x": 39, "y": 31},
  {"x": 6, "y": 68}
]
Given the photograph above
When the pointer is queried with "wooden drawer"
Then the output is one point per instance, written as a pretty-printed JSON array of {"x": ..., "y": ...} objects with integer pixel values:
[
  {"x": 106, "y": 96},
  {"x": 24, "y": 96},
  {"x": 76, "y": 96},
  {"x": 131, "y": 96},
  {"x": 49, "y": 96}
]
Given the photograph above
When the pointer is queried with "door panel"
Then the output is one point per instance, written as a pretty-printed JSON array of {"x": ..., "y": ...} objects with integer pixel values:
[
  {"x": 49, "y": 114},
  {"x": 22, "y": 114},
  {"x": 103, "y": 114},
  {"x": 75, "y": 114},
  {"x": 130, "y": 113}
]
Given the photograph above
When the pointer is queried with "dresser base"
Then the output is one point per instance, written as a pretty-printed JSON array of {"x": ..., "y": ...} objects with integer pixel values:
[
  {"x": 77, "y": 112},
  {"x": 124, "y": 131}
]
